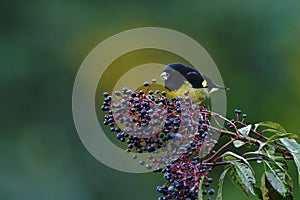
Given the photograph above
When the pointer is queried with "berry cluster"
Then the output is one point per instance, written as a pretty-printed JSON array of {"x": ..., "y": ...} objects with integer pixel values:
[
  {"x": 233, "y": 124},
  {"x": 184, "y": 174},
  {"x": 183, "y": 177},
  {"x": 173, "y": 132}
]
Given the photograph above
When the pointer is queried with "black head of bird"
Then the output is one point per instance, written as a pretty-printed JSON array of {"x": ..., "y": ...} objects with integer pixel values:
[{"x": 180, "y": 78}]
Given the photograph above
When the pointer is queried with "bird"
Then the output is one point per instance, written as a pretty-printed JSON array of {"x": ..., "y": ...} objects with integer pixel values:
[{"x": 181, "y": 80}]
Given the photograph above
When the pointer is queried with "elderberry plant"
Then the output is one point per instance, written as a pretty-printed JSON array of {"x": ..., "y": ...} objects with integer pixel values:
[{"x": 179, "y": 137}]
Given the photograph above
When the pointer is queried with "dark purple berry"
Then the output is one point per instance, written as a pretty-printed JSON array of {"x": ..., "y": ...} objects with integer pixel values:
[
  {"x": 210, "y": 180},
  {"x": 142, "y": 162},
  {"x": 105, "y": 94},
  {"x": 146, "y": 84},
  {"x": 211, "y": 191}
]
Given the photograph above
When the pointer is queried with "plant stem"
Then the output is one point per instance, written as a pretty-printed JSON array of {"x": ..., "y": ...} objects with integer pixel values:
[
  {"x": 219, "y": 150},
  {"x": 212, "y": 164}
]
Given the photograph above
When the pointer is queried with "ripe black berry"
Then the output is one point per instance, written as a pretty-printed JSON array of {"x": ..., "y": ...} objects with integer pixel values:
[
  {"x": 105, "y": 94},
  {"x": 211, "y": 191},
  {"x": 237, "y": 111},
  {"x": 210, "y": 180}
]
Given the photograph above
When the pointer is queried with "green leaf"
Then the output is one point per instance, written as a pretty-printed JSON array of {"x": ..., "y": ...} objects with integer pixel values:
[
  {"x": 278, "y": 136},
  {"x": 277, "y": 183},
  {"x": 236, "y": 180},
  {"x": 228, "y": 156},
  {"x": 245, "y": 130},
  {"x": 294, "y": 148},
  {"x": 291, "y": 145},
  {"x": 291, "y": 135},
  {"x": 220, "y": 184},
  {"x": 268, "y": 151},
  {"x": 281, "y": 163},
  {"x": 269, "y": 193},
  {"x": 258, "y": 192},
  {"x": 238, "y": 143},
  {"x": 246, "y": 175},
  {"x": 263, "y": 188},
  {"x": 240, "y": 172},
  {"x": 272, "y": 131},
  {"x": 277, "y": 178},
  {"x": 272, "y": 125}
]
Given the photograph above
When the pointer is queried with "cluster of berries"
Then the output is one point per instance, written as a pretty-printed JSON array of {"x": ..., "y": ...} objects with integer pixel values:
[
  {"x": 184, "y": 175},
  {"x": 173, "y": 132},
  {"x": 239, "y": 122},
  {"x": 183, "y": 178}
]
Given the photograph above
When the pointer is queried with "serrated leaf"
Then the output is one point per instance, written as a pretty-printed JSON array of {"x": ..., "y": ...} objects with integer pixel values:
[
  {"x": 272, "y": 125},
  {"x": 281, "y": 163},
  {"x": 220, "y": 184},
  {"x": 236, "y": 180},
  {"x": 245, "y": 130},
  {"x": 277, "y": 183},
  {"x": 294, "y": 148},
  {"x": 277, "y": 177},
  {"x": 240, "y": 173},
  {"x": 271, "y": 193},
  {"x": 246, "y": 174}
]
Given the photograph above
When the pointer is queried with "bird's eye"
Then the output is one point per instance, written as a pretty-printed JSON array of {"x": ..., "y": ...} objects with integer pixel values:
[{"x": 164, "y": 76}]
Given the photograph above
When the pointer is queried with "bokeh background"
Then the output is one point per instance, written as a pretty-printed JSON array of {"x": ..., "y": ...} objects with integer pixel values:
[{"x": 255, "y": 44}]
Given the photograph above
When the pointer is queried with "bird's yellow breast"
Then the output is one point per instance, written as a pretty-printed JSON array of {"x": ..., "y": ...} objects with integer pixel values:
[{"x": 197, "y": 95}]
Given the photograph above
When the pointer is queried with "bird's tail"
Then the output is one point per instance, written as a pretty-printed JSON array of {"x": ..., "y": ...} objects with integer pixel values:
[
  {"x": 215, "y": 88},
  {"x": 221, "y": 87}
]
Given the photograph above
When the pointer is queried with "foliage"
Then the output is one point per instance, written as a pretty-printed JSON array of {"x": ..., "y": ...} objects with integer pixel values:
[{"x": 272, "y": 151}]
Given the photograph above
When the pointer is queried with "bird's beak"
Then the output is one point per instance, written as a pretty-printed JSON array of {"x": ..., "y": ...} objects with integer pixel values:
[{"x": 164, "y": 76}]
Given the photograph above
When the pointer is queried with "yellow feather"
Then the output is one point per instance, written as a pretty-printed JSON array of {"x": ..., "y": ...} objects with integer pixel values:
[{"x": 197, "y": 95}]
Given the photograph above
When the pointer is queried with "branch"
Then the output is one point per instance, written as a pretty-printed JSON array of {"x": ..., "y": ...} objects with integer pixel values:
[{"x": 213, "y": 164}]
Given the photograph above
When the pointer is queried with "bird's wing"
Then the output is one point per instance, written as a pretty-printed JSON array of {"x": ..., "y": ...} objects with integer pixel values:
[{"x": 195, "y": 79}]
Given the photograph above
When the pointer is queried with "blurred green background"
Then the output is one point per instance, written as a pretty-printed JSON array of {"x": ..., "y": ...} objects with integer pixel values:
[{"x": 42, "y": 44}]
